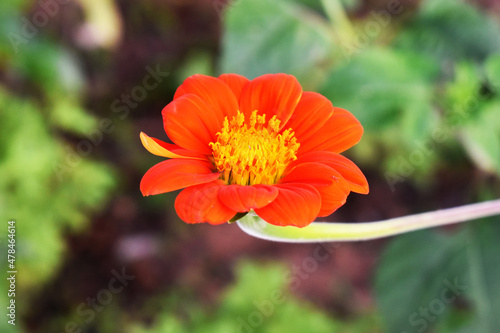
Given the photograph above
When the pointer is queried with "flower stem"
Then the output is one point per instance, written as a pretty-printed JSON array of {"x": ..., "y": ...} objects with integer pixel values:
[
  {"x": 338, "y": 232},
  {"x": 338, "y": 19}
]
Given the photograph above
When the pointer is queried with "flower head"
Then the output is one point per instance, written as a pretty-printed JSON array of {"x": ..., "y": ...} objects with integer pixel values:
[{"x": 263, "y": 145}]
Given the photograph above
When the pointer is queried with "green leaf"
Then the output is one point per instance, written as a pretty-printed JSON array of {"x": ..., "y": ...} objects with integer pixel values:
[
  {"x": 483, "y": 268},
  {"x": 261, "y": 292},
  {"x": 481, "y": 138},
  {"x": 49, "y": 188},
  {"x": 67, "y": 114},
  {"x": 420, "y": 274},
  {"x": 450, "y": 30},
  {"x": 274, "y": 36},
  {"x": 492, "y": 69},
  {"x": 258, "y": 301},
  {"x": 379, "y": 85},
  {"x": 419, "y": 279},
  {"x": 462, "y": 94}
]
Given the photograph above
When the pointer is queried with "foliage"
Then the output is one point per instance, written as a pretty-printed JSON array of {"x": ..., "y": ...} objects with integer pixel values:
[
  {"x": 436, "y": 274},
  {"x": 252, "y": 305},
  {"x": 424, "y": 80},
  {"x": 394, "y": 90},
  {"x": 268, "y": 37},
  {"x": 50, "y": 188},
  {"x": 424, "y": 84}
]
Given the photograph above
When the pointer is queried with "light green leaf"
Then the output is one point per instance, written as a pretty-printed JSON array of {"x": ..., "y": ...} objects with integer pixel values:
[
  {"x": 481, "y": 138},
  {"x": 67, "y": 114},
  {"x": 492, "y": 69},
  {"x": 48, "y": 189}
]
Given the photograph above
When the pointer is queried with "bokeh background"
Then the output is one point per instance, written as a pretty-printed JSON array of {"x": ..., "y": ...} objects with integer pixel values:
[{"x": 79, "y": 79}]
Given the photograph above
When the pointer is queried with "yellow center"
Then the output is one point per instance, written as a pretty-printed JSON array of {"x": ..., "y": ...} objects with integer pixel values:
[{"x": 248, "y": 153}]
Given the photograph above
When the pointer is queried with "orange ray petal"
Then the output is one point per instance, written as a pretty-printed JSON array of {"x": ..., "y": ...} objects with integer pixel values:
[
  {"x": 201, "y": 203},
  {"x": 171, "y": 175},
  {"x": 192, "y": 124},
  {"x": 213, "y": 91},
  {"x": 271, "y": 94},
  {"x": 312, "y": 112},
  {"x": 160, "y": 148},
  {"x": 339, "y": 133},
  {"x": 244, "y": 198},
  {"x": 330, "y": 184},
  {"x": 235, "y": 82},
  {"x": 296, "y": 204},
  {"x": 350, "y": 171}
]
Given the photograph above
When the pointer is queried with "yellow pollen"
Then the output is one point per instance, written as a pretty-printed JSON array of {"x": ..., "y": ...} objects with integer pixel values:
[{"x": 253, "y": 152}]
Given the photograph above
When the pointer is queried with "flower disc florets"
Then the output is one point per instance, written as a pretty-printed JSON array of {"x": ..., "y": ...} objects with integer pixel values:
[{"x": 253, "y": 152}]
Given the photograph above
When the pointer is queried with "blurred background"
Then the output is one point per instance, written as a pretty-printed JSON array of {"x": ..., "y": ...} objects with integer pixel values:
[{"x": 79, "y": 79}]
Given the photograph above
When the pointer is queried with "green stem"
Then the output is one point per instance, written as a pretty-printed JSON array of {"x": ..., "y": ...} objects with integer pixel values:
[
  {"x": 338, "y": 19},
  {"x": 338, "y": 232}
]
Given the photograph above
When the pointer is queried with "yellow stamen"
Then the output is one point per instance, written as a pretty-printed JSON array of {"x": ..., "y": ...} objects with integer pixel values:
[{"x": 253, "y": 152}]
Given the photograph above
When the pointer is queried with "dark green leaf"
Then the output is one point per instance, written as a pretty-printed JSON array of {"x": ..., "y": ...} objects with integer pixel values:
[
  {"x": 420, "y": 278},
  {"x": 450, "y": 29},
  {"x": 379, "y": 85},
  {"x": 274, "y": 36}
]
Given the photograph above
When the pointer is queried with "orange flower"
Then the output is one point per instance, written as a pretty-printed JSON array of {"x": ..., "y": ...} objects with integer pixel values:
[{"x": 262, "y": 145}]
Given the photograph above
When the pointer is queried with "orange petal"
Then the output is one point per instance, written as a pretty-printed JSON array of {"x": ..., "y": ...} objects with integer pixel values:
[
  {"x": 201, "y": 203},
  {"x": 171, "y": 175},
  {"x": 330, "y": 184},
  {"x": 296, "y": 204},
  {"x": 339, "y": 133},
  {"x": 350, "y": 171},
  {"x": 213, "y": 91},
  {"x": 192, "y": 124},
  {"x": 160, "y": 148},
  {"x": 235, "y": 82},
  {"x": 271, "y": 94},
  {"x": 310, "y": 115},
  {"x": 244, "y": 198}
]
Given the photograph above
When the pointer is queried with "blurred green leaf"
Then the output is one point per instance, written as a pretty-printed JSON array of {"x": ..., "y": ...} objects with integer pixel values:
[
  {"x": 67, "y": 114},
  {"x": 462, "y": 94},
  {"x": 31, "y": 56},
  {"x": 483, "y": 268},
  {"x": 435, "y": 274},
  {"x": 450, "y": 30},
  {"x": 274, "y": 36},
  {"x": 258, "y": 302},
  {"x": 392, "y": 94},
  {"x": 48, "y": 189},
  {"x": 379, "y": 85},
  {"x": 492, "y": 69},
  {"x": 481, "y": 138},
  {"x": 414, "y": 276}
]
